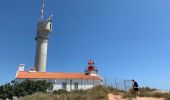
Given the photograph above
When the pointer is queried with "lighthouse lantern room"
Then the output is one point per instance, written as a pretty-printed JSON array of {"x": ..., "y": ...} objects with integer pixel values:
[{"x": 91, "y": 69}]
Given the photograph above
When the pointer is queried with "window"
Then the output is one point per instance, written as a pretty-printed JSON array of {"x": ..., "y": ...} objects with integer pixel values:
[
  {"x": 76, "y": 85},
  {"x": 64, "y": 85}
]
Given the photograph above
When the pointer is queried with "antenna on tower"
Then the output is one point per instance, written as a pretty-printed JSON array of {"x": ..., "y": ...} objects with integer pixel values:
[{"x": 42, "y": 10}]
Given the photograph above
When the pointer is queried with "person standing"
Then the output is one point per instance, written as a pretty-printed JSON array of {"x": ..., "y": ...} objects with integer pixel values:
[{"x": 135, "y": 86}]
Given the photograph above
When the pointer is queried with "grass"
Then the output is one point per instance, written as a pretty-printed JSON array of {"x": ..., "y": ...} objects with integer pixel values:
[
  {"x": 146, "y": 92},
  {"x": 95, "y": 93}
]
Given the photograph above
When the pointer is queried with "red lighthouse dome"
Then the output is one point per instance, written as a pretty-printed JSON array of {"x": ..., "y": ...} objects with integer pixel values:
[
  {"x": 91, "y": 65},
  {"x": 90, "y": 68}
]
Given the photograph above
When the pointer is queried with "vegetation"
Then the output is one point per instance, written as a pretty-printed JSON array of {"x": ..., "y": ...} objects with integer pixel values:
[
  {"x": 37, "y": 90},
  {"x": 146, "y": 92},
  {"x": 95, "y": 93},
  {"x": 27, "y": 87}
]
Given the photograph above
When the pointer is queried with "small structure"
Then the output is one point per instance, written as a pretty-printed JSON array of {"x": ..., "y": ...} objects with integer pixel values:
[{"x": 67, "y": 81}]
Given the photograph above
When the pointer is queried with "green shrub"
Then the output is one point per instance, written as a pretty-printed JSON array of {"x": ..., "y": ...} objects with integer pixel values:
[
  {"x": 149, "y": 92},
  {"x": 21, "y": 89},
  {"x": 60, "y": 91},
  {"x": 146, "y": 92},
  {"x": 98, "y": 93},
  {"x": 79, "y": 91}
]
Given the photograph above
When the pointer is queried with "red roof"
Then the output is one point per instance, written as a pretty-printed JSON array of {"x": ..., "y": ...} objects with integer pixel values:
[{"x": 53, "y": 75}]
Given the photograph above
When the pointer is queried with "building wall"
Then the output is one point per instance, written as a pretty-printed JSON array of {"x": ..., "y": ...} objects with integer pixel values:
[{"x": 70, "y": 83}]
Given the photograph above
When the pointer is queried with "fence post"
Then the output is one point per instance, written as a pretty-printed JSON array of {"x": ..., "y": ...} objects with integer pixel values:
[
  {"x": 125, "y": 84},
  {"x": 115, "y": 83}
]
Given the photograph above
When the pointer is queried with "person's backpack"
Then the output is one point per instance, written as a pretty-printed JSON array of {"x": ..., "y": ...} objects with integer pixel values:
[{"x": 135, "y": 84}]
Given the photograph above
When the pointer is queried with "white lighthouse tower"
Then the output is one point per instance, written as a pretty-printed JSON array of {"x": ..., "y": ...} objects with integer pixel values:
[{"x": 44, "y": 28}]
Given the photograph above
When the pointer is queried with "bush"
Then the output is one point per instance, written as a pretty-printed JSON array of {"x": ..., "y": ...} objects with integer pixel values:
[
  {"x": 149, "y": 92},
  {"x": 110, "y": 89},
  {"x": 144, "y": 92},
  {"x": 95, "y": 93},
  {"x": 40, "y": 96},
  {"x": 98, "y": 93},
  {"x": 167, "y": 97},
  {"x": 21, "y": 89},
  {"x": 6, "y": 91},
  {"x": 60, "y": 91}
]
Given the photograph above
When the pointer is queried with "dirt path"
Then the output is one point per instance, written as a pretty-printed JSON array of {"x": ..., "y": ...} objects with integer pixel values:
[
  {"x": 118, "y": 97},
  {"x": 148, "y": 98},
  {"x": 114, "y": 97}
]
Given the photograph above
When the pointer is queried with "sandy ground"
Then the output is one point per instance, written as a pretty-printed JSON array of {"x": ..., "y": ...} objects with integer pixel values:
[
  {"x": 114, "y": 97},
  {"x": 118, "y": 97}
]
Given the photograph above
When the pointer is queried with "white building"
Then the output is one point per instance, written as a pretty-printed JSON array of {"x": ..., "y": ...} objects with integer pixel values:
[{"x": 67, "y": 81}]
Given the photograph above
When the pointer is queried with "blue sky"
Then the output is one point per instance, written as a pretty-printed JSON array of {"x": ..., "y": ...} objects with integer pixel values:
[{"x": 128, "y": 39}]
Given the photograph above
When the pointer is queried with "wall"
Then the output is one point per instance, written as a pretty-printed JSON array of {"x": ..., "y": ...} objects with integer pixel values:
[
  {"x": 82, "y": 84},
  {"x": 57, "y": 83}
]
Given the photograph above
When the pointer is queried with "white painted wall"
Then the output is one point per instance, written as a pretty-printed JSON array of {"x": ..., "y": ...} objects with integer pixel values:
[
  {"x": 57, "y": 83},
  {"x": 82, "y": 84}
]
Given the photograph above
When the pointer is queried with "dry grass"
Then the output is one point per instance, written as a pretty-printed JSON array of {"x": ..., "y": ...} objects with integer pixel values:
[
  {"x": 146, "y": 92},
  {"x": 96, "y": 93}
]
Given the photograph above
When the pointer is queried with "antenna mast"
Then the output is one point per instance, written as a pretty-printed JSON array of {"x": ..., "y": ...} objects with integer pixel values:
[{"x": 42, "y": 10}]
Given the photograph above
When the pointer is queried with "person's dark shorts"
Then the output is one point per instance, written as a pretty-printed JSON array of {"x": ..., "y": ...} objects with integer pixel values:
[{"x": 135, "y": 89}]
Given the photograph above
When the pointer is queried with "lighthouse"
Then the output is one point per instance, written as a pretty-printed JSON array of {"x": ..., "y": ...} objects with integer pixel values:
[
  {"x": 44, "y": 28},
  {"x": 91, "y": 69}
]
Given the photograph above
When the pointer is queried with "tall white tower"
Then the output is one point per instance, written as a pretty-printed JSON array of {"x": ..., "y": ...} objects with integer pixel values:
[{"x": 44, "y": 27}]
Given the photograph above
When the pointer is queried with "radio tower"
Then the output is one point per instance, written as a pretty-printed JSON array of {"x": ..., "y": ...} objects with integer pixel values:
[{"x": 44, "y": 27}]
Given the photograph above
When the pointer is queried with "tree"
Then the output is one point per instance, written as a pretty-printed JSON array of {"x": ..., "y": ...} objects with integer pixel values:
[
  {"x": 6, "y": 91},
  {"x": 26, "y": 87}
]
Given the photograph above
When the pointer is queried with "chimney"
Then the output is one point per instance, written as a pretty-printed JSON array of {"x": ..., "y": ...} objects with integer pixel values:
[{"x": 21, "y": 67}]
